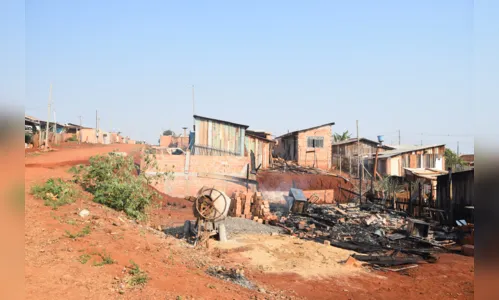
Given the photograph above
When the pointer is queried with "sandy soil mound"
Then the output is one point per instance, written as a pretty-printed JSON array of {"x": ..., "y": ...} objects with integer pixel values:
[{"x": 285, "y": 254}]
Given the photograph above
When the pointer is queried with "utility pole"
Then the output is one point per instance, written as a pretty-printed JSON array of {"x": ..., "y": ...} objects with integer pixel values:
[
  {"x": 458, "y": 148},
  {"x": 399, "y": 137},
  {"x": 358, "y": 163},
  {"x": 48, "y": 119},
  {"x": 193, "y": 109},
  {"x": 79, "y": 132},
  {"x": 97, "y": 126},
  {"x": 55, "y": 124}
]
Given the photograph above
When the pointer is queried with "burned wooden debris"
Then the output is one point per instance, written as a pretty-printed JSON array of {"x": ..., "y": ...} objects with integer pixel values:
[
  {"x": 387, "y": 237},
  {"x": 280, "y": 165}
]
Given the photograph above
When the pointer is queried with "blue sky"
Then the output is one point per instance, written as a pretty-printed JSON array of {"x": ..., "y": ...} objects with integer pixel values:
[{"x": 275, "y": 65}]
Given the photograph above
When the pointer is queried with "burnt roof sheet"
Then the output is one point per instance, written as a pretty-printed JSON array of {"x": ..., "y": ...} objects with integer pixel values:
[{"x": 297, "y": 194}]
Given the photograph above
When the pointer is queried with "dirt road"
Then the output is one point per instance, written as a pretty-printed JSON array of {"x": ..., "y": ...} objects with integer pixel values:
[{"x": 54, "y": 268}]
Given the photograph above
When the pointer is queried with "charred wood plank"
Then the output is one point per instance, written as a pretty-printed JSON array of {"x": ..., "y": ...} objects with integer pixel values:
[{"x": 385, "y": 260}]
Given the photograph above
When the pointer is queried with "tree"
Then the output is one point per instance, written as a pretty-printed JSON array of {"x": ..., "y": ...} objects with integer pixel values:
[
  {"x": 452, "y": 160},
  {"x": 169, "y": 132},
  {"x": 341, "y": 137}
]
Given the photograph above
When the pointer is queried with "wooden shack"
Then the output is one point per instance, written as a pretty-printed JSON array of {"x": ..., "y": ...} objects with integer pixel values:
[
  {"x": 258, "y": 147},
  {"x": 455, "y": 194}
]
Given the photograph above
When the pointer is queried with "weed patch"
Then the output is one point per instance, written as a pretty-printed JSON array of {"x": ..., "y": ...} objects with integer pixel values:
[
  {"x": 116, "y": 182},
  {"x": 137, "y": 276},
  {"x": 84, "y": 258},
  {"x": 55, "y": 192},
  {"x": 106, "y": 259},
  {"x": 84, "y": 232}
]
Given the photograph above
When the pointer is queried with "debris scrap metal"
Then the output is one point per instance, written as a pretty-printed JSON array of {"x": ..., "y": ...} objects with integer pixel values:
[{"x": 381, "y": 237}]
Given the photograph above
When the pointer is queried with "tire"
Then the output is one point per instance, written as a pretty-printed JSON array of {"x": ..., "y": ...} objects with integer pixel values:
[{"x": 222, "y": 234}]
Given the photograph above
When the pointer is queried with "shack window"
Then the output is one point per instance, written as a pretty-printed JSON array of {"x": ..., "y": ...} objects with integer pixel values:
[{"x": 315, "y": 142}]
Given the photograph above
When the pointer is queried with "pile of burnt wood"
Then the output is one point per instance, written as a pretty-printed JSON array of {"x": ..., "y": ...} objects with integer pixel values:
[{"x": 384, "y": 237}]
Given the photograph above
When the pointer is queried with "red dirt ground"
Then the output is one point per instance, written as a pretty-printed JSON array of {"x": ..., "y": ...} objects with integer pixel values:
[
  {"x": 451, "y": 278},
  {"x": 52, "y": 269},
  {"x": 273, "y": 181}
]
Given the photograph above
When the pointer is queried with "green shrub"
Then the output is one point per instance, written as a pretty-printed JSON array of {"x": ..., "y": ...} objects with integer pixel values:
[
  {"x": 116, "y": 182},
  {"x": 56, "y": 192}
]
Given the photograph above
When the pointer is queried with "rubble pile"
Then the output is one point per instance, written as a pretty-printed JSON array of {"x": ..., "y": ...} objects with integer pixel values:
[
  {"x": 252, "y": 206},
  {"x": 282, "y": 166},
  {"x": 389, "y": 237},
  {"x": 231, "y": 274}
]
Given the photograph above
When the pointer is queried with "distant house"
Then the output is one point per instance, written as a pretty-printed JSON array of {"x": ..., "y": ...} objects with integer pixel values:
[
  {"x": 36, "y": 126},
  {"x": 365, "y": 146},
  {"x": 174, "y": 141},
  {"x": 468, "y": 159},
  {"x": 218, "y": 137},
  {"x": 345, "y": 154},
  {"x": 73, "y": 128},
  {"x": 258, "y": 146},
  {"x": 307, "y": 147},
  {"x": 394, "y": 162},
  {"x": 31, "y": 124}
]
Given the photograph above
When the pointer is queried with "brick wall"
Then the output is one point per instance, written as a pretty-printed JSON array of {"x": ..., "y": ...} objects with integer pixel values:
[
  {"x": 322, "y": 158},
  {"x": 166, "y": 140},
  {"x": 88, "y": 135},
  {"x": 183, "y": 185},
  {"x": 189, "y": 183},
  {"x": 234, "y": 165}
]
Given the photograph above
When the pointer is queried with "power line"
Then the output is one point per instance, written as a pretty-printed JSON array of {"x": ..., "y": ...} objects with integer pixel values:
[
  {"x": 430, "y": 134},
  {"x": 450, "y": 135}
]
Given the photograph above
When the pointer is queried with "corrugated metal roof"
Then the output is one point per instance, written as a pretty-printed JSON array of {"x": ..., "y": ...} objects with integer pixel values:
[
  {"x": 307, "y": 129},
  {"x": 220, "y": 121},
  {"x": 428, "y": 173},
  {"x": 404, "y": 149},
  {"x": 354, "y": 140},
  {"x": 259, "y": 138},
  {"x": 30, "y": 118}
]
